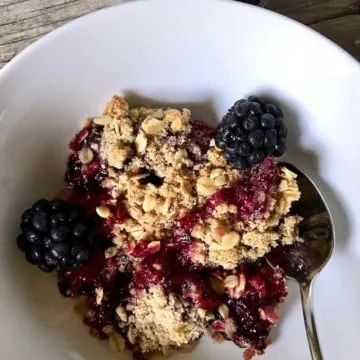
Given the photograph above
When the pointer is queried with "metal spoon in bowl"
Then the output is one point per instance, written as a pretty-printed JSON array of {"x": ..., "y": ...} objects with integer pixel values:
[{"x": 304, "y": 260}]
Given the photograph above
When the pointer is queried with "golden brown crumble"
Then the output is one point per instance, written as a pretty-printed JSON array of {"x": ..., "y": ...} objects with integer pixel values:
[
  {"x": 229, "y": 242},
  {"x": 160, "y": 322},
  {"x": 142, "y": 142},
  {"x": 289, "y": 229},
  {"x": 137, "y": 142}
]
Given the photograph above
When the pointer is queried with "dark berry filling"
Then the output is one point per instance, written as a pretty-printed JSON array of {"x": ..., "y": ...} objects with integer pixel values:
[
  {"x": 118, "y": 214},
  {"x": 98, "y": 273},
  {"x": 85, "y": 177},
  {"x": 177, "y": 275},
  {"x": 297, "y": 260},
  {"x": 253, "y": 312},
  {"x": 201, "y": 135}
]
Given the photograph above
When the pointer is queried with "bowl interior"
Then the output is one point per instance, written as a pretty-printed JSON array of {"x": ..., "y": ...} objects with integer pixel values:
[{"x": 186, "y": 59}]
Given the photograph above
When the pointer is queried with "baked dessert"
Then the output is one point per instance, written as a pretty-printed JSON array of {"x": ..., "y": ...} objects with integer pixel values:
[{"x": 163, "y": 234}]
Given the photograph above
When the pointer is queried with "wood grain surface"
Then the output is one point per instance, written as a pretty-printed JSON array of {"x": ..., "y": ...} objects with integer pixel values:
[
  {"x": 24, "y": 21},
  {"x": 339, "y": 20}
]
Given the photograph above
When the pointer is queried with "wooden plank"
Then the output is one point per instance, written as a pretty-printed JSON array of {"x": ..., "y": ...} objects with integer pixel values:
[
  {"x": 339, "y": 20},
  {"x": 24, "y": 21},
  {"x": 312, "y": 11},
  {"x": 344, "y": 30}
]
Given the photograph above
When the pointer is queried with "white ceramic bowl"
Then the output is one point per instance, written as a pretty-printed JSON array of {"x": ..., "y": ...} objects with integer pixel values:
[{"x": 205, "y": 54}]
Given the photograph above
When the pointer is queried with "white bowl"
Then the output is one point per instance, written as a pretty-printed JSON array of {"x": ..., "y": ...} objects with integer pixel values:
[{"x": 205, "y": 54}]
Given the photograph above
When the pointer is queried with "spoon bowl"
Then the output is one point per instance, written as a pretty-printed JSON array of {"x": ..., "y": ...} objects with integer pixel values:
[{"x": 304, "y": 260}]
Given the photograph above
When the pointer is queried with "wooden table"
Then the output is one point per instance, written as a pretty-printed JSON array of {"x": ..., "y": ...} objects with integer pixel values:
[{"x": 24, "y": 21}]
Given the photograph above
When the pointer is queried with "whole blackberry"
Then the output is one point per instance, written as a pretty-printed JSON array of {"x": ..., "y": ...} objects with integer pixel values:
[
  {"x": 251, "y": 130},
  {"x": 55, "y": 235}
]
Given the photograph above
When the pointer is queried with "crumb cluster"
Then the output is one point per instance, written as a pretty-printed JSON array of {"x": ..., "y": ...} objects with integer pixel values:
[
  {"x": 151, "y": 167},
  {"x": 228, "y": 242},
  {"x": 162, "y": 322}
]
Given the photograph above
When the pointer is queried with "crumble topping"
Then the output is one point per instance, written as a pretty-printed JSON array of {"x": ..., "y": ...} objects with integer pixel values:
[
  {"x": 151, "y": 143},
  {"x": 161, "y": 322},
  {"x": 289, "y": 229},
  {"x": 231, "y": 242},
  {"x": 143, "y": 143}
]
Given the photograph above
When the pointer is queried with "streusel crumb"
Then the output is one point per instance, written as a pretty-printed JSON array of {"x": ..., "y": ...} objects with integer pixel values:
[
  {"x": 161, "y": 322},
  {"x": 144, "y": 142},
  {"x": 151, "y": 168},
  {"x": 231, "y": 242}
]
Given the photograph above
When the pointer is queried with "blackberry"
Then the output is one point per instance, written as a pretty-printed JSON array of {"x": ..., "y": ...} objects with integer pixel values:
[
  {"x": 250, "y": 123},
  {"x": 256, "y": 157},
  {"x": 256, "y": 139},
  {"x": 251, "y": 130},
  {"x": 55, "y": 235}
]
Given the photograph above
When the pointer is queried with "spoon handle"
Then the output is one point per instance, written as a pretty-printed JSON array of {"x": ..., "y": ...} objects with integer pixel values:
[{"x": 313, "y": 340}]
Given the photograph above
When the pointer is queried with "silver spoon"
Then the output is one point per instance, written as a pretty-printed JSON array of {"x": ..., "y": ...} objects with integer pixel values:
[{"x": 304, "y": 260}]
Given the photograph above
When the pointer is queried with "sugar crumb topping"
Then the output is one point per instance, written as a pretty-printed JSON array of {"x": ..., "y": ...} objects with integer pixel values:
[{"x": 161, "y": 322}]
